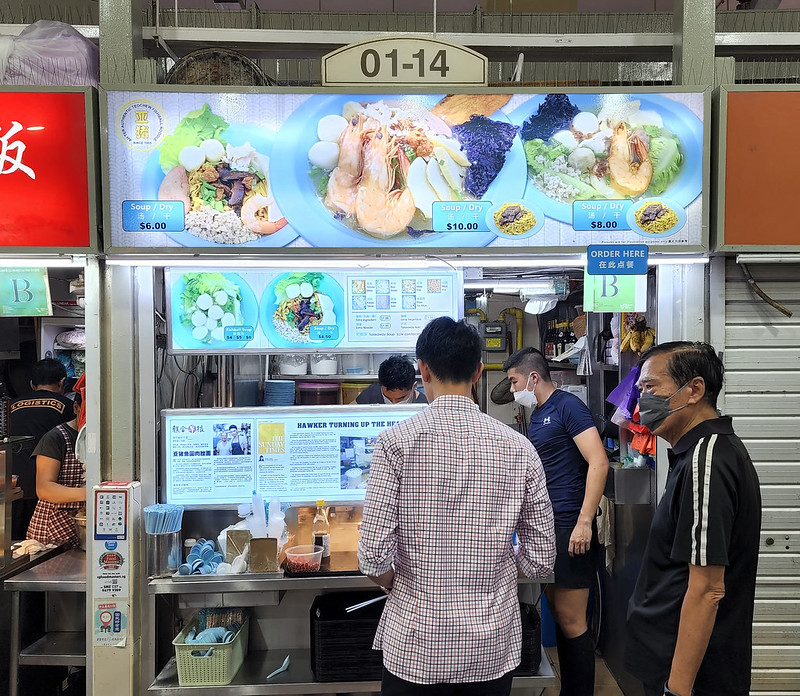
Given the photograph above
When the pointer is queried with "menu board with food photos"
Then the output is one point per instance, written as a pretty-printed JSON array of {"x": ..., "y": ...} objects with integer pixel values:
[
  {"x": 528, "y": 170},
  {"x": 284, "y": 310}
]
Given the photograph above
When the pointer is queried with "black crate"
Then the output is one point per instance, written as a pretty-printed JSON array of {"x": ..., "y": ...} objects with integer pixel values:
[
  {"x": 531, "y": 642},
  {"x": 341, "y": 643}
]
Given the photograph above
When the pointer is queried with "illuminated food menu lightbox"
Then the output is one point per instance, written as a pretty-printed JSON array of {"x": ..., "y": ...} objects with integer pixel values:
[
  {"x": 226, "y": 170},
  {"x": 299, "y": 454},
  {"x": 280, "y": 310}
]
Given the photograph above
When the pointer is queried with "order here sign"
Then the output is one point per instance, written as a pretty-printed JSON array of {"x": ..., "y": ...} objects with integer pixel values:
[
  {"x": 616, "y": 259},
  {"x": 44, "y": 169}
]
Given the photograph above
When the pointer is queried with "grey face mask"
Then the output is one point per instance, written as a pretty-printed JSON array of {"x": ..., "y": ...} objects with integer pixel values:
[{"x": 654, "y": 410}]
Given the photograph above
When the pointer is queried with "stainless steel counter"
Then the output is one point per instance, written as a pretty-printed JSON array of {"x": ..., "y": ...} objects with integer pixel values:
[
  {"x": 213, "y": 584},
  {"x": 23, "y": 563},
  {"x": 64, "y": 573},
  {"x": 299, "y": 679}
]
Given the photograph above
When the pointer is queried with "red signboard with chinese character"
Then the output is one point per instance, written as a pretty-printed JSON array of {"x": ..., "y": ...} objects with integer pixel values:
[{"x": 45, "y": 170}]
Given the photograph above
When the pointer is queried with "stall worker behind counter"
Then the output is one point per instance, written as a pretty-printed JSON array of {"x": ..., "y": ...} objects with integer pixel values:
[
  {"x": 691, "y": 613},
  {"x": 448, "y": 487},
  {"x": 60, "y": 484},
  {"x": 575, "y": 464},
  {"x": 35, "y": 414},
  {"x": 396, "y": 384}
]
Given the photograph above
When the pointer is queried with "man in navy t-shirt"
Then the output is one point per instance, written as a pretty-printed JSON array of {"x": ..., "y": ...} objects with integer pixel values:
[{"x": 575, "y": 465}]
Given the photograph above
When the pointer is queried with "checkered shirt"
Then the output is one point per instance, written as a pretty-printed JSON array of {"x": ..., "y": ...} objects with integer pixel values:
[{"x": 447, "y": 489}]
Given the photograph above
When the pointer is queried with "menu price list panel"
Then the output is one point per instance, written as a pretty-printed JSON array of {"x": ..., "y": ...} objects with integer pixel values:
[{"x": 279, "y": 310}]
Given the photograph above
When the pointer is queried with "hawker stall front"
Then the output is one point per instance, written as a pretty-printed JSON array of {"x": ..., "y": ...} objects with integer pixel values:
[
  {"x": 49, "y": 381},
  {"x": 273, "y": 249}
]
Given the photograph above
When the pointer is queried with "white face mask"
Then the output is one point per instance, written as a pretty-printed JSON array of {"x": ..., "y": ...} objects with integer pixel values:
[
  {"x": 526, "y": 397},
  {"x": 407, "y": 400}
]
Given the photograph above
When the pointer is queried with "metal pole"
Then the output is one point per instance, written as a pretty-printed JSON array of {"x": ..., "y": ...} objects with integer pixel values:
[
  {"x": 231, "y": 376},
  {"x": 13, "y": 666},
  {"x": 434, "y": 17},
  {"x": 693, "y": 47},
  {"x": 120, "y": 40}
]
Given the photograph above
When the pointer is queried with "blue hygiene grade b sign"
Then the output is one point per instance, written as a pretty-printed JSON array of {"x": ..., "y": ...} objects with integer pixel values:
[{"x": 616, "y": 259}]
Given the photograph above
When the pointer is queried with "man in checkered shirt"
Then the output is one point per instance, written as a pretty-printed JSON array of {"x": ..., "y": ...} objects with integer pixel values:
[{"x": 448, "y": 488}]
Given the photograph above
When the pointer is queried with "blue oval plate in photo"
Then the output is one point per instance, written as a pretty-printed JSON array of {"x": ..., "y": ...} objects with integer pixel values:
[
  {"x": 295, "y": 195},
  {"x": 680, "y": 213},
  {"x": 677, "y": 118},
  {"x": 236, "y": 134},
  {"x": 182, "y": 337},
  {"x": 333, "y": 332},
  {"x": 537, "y": 214}
]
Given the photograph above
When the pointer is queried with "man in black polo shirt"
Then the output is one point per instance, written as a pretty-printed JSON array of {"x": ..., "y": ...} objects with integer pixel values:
[
  {"x": 35, "y": 414},
  {"x": 690, "y": 617}
]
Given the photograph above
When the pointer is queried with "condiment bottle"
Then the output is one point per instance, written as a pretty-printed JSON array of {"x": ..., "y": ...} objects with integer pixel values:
[{"x": 321, "y": 529}]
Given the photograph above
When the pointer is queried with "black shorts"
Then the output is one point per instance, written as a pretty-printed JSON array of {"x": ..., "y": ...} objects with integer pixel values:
[{"x": 578, "y": 571}]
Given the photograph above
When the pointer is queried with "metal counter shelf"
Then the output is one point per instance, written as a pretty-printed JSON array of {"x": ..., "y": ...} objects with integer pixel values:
[
  {"x": 299, "y": 679},
  {"x": 63, "y": 573},
  {"x": 205, "y": 584},
  {"x": 59, "y": 648}
]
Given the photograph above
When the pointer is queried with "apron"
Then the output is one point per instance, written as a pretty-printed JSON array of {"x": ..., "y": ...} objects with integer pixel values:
[{"x": 52, "y": 522}]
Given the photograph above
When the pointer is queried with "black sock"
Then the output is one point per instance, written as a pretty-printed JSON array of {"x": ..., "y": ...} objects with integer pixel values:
[{"x": 576, "y": 664}]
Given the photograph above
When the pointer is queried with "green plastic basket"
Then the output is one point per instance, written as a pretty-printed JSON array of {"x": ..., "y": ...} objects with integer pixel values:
[{"x": 219, "y": 668}]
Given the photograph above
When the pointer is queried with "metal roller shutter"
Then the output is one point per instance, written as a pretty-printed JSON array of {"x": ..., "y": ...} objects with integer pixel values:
[{"x": 762, "y": 358}]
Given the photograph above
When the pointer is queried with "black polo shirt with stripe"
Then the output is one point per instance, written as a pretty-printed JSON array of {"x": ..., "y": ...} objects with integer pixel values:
[{"x": 710, "y": 514}]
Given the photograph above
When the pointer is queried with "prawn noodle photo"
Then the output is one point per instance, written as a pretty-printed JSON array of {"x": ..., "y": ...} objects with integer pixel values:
[
  {"x": 619, "y": 151},
  {"x": 395, "y": 159}
]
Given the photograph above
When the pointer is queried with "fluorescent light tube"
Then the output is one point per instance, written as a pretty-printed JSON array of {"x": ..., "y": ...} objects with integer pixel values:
[{"x": 43, "y": 262}]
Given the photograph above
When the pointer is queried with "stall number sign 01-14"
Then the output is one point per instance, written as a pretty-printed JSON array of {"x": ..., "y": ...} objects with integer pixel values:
[{"x": 404, "y": 61}]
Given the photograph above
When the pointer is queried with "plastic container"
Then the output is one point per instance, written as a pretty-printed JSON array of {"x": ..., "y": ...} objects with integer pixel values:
[
  {"x": 377, "y": 359},
  {"x": 293, "y": 364},
  {"x": 355, "y": 363},
  {"x": 350, "y": 390},
  {"x": 324, "y": 364},
  {"x": 304, "y": 559},
  {"x": 163, "y": 554},
  {"x": 217, "y": 669},
  {"x": 317, "y": 393}
]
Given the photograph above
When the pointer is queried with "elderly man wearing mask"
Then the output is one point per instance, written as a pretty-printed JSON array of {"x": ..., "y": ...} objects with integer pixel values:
[{"x": 691, "y": 613}]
